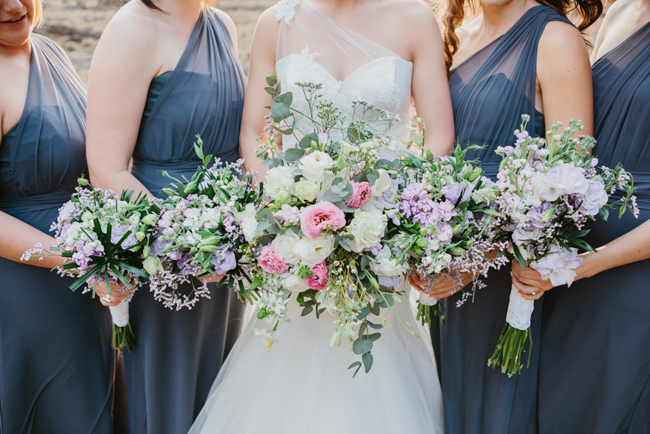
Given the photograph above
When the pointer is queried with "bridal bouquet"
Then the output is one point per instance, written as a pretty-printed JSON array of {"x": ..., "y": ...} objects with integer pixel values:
[
  {"x": 200, "y": 230},
  {"x": 548, "y": 191},
  {"x": 446, "y": 224},
  {"x": 102, "y": 236},
  {"x": 320, "y": 236}
]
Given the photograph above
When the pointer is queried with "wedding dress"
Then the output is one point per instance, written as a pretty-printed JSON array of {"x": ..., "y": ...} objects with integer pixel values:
[{"x": 302, "y": 385}]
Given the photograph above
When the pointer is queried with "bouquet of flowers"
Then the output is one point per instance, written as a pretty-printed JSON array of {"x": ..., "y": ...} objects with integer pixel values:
[
  {"x": 320, "y": 236},
  {"x": 102, "y": 235},
  {"x": 445, "y": 224},
  {"x": 548, "y": 191},
  {"x": 200, "y": 231}
]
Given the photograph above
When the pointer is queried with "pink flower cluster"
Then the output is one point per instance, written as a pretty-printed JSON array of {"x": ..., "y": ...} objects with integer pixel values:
[
  {"x": 316, "y": 218},
  {"x": 270, "y": 261}
]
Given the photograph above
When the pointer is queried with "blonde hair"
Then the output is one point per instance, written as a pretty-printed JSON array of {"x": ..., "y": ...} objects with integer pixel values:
[{"x": 38, "y": 13}]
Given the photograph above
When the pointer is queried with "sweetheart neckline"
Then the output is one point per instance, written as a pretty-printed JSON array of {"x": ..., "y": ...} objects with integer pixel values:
[{"x": 341, "y": 82}]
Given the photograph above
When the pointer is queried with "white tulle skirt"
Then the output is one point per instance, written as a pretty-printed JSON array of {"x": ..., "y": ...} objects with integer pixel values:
[{"x": 303, "y": 386}]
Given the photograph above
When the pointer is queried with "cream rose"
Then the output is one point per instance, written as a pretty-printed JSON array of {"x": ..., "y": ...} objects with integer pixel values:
[
  {"x": 294, "y": 284},
  {"x": 367, "y": 228},
  {"x": 279, "y": 180},
  {"x": 312, "y": 251},
  {"x": 316, "y": 165},
  {"x": 285, "y": 244},
  {"x": 386, "y": 266},
  {"x": 307, "y": 190}
]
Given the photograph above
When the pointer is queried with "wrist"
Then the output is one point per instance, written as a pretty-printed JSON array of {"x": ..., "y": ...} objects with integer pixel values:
[{"x": 590, "y": 266}]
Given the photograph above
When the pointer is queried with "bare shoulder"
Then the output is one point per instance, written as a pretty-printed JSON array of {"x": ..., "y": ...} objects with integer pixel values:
[
  {"x": 268, "y": 25},
  {"x": 561, "y": 40},
  {"x": 410, "y": 14}
]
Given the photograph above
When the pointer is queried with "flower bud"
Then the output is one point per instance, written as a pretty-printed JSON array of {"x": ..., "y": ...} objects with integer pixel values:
[
  {"x": 284, "y": 197},
  {"x": 140, "y": 235},
  {"x": 152, "y": 265},
  {"x": 457, "y": 251},
  {"x": 208, "y": 249},
  {"x": 150, "y": 219},
  {"x": 209, "y": 241}
]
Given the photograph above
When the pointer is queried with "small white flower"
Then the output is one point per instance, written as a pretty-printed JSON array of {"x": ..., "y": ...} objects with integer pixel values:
[
  {"x": 279, "y": 181},
  {"x": 315, "y": 165}
]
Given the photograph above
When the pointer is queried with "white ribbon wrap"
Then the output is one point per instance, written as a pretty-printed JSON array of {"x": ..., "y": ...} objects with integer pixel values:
[
  {"x": 120, "y": 314},
  {"x": 520, "y": 310},
  {"x": 426, "y": 299}
]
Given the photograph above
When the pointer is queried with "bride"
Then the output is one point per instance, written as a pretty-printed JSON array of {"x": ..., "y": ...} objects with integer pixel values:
[{"x": 383, "y": 52}]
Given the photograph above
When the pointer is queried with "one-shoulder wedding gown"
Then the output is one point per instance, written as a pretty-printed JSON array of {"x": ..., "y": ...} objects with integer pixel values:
[{"x": 302, "y": 385}]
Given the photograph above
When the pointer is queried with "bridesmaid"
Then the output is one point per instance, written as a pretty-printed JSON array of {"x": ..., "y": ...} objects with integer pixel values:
[
  {"x": 164, "y": 71},
  {"x": 56, "y": 363},
  {"x": 516, "y": 57},
  {"x": 594, "y": 373}
]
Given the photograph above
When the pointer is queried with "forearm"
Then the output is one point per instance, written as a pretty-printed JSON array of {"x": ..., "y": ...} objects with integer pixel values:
[
  {"x": 251, "y": 161},
  {"x": 632, "y": 247},
  {"x": 16, "y": 237},
  {"x": 117, "y": 181}
]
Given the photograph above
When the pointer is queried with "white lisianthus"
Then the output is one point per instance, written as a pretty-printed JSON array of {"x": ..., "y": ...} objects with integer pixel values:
[
  {"x": 522, "y": 235},
  {"x": 248, "y": 212},
  {"x": 307, "y": 190},
  {"x": 285, "y": 244},
  {"x": 315, "y": 166},
  {"x": 386, "y": 266},
  {"x": 249, "y": 228},
  {"x": 594, "y": 199},
  {"x": 382, "y": 184},
  {"x": 294, "y": 284},
  {"x": 312, "y": 251},
  {"x": 561, "y": 180},
  {"x": 279, "y": 181},
  {"x": 367, "y": 228},
  {"x": 558, "y": 265}
]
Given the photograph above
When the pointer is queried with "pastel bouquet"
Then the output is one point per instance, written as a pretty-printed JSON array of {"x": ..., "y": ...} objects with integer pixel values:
[
  {"x": 102, "y": 235},
  {"x": 320, "y": 236},
  {"x": 201, "y": 227},
  {"x": 445, "y": 222},
  {"x": 549, "y": 190}
]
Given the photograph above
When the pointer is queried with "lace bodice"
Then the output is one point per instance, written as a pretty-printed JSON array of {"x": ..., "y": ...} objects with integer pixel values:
[{"x": 382, "y": 78}]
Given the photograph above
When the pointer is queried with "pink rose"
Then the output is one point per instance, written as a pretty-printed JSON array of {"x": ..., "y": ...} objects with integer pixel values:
[
  {"x": 318, "y": 280},
  {"x": 360, "y": 194},
  {"x": 315, "y": 218},
  {"x": 271, "y": 261}
]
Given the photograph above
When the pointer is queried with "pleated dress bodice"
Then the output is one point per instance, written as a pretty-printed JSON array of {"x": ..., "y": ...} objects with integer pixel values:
[
  {"x": 490, "y": 92},
  {"x": 56, "y": 362},
  {"x": 203, "y": 95},
  {"x": 595, "y": 364}
]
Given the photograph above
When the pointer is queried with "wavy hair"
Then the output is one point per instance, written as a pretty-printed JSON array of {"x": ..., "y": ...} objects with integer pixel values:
[{"x": 454, "y": 11}]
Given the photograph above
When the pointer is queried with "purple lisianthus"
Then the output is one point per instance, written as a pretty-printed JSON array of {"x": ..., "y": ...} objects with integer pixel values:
[
  {"x": 561, "y": 180},
  {"x": 594, "y": 199},
  {"x": 226, "y": 261},
  {"x": 558, "y": 266},
  {"x": 453, "y": 192},
  {"x": 390, "y": 282}
]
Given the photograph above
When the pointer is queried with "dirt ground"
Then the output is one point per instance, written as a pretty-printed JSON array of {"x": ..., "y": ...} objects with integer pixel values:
[{"x": 77, "y": 25}]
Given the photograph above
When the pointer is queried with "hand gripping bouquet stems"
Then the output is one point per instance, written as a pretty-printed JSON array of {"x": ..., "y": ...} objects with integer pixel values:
[
  {"x": 445, "y": 223},
  {"x": 102, "y": 235},
  {"x": 320, "y": 236},
  {"x": 200, "y": 232},
  {"x": 548, "y": 192}
]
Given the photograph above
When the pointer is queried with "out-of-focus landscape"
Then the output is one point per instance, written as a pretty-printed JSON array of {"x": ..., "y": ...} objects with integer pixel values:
[{"x": 76, "y": 25}]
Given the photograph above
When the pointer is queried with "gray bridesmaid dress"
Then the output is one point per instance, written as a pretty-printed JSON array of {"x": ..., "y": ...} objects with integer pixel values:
[
  {"x": 490, "y": 91},
  {"x": 179, "y": 353},
  {"x": 594, "y": 374},
  {"x": 56, "y": 363}
]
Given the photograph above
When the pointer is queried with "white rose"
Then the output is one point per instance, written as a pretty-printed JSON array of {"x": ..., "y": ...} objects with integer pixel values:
[
  {"x": 382, "y": 184},
  {"x": 279, "y": 180},
  {"x": 248, "y": 212},
  {"x": 285, "y": 244},
  {"x": 521, "y": 235},
  {"x": 294, "y": 284},
  {"x": 312, "y": 251},
  {"x": 367, "y": 228},
  {"x": 249, "y": 228},
  {"x": 386, "y": 266},
  {"x": 315, "y": 165},
  {"x": 307, "y": 190}
]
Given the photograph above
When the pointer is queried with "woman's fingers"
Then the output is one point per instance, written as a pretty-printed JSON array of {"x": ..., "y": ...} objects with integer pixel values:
[{"x": 529, "y": 292}]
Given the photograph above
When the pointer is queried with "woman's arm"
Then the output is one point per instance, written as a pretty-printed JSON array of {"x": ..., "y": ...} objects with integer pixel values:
[
  {"x": 16, "y": 237},
  {"x": 262, "y": 65},
  {"x": 122, "y": 68},
  {"x": 564, "y": 77},
  {"x": 429, "y": 86}
]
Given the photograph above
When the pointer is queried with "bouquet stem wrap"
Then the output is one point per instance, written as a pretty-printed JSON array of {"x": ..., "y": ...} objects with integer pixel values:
[
  {"x": 123, "y": 335},
  {"x": 120, "y": 314}
]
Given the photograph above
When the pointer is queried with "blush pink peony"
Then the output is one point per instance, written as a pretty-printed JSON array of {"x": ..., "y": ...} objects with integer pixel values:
[
  {"x": 315, "y": 218},
  {"x": 360, "y": 194},
  {"x": 318, "y": 280},
  {"x": 271, "y": 261}
]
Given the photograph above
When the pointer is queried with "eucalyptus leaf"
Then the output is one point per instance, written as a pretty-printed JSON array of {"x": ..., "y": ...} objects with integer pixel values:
[
  {"x": 362, "y": 346},
  {"x": 279, "y": 112},
  {"x": 294, "y": 154}
]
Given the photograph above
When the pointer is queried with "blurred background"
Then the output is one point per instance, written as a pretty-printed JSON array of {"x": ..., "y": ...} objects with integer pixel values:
[{"x": 76, "y": 25}]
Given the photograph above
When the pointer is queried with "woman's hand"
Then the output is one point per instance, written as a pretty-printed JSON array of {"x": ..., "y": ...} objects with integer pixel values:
[
  {"x": 529, "y": 282},
  {"x": 118, "y": 293},
  {"x": 442, "y": 288}
]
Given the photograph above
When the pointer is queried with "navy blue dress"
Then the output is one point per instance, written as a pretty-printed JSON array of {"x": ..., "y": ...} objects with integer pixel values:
[
  {"x": 490, "y": 91},
  {"x": 595, "y": 365},
  {"x": 56, "y": 363},
  {"x": 179, "y": 353}
]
